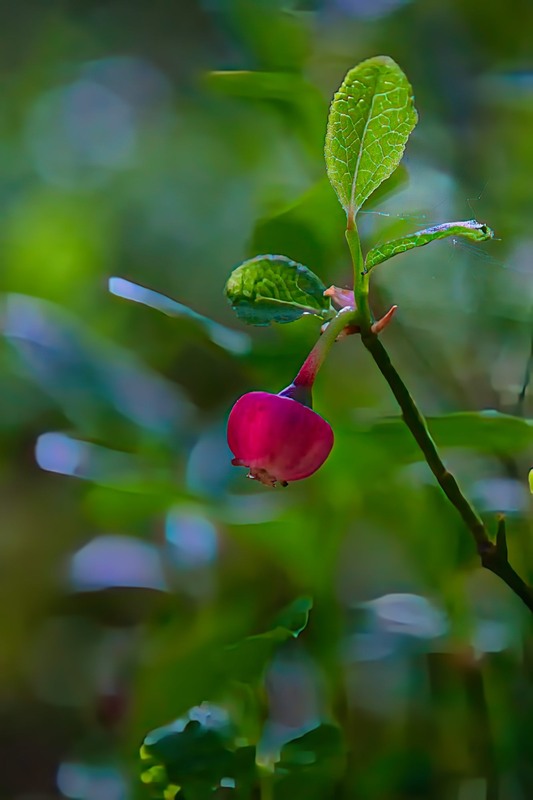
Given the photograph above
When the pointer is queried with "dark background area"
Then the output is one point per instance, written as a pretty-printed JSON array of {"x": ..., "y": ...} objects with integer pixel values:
[{"x": 131, "y": 551}]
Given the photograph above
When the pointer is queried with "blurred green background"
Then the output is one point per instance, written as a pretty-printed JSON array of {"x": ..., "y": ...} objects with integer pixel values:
[{"x": 131, "y": 552}]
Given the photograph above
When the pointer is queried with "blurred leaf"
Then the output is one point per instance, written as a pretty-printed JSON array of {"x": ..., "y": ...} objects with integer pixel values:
[
  {"x": 469, "y": 229},
  {"x": 303, "y": 102},
  {"x": 311, "y": 765},
  {"x": 310, "y": 228},
  {"x": 269, "y": 289},
  {"x": 321, "y": 742},
  {"x": 200, "y": 667},
  {"x": 278, "y": 37},
  {"x": 262, "y": 85},
  {"x": 369, "y": 123},
  {"x": 233, "y": 341},
  {"x": 94, "y": 382},
  {"x": 133, "y": 473},
  {"x": 246, "y": 660},
  {"x": 482, "y": 431},
  {"x": 195, "y": 754},
  {"x": 296, "y": 616}
]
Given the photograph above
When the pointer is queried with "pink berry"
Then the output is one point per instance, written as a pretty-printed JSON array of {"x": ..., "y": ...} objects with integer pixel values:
[{"x": 277, "y": 438}]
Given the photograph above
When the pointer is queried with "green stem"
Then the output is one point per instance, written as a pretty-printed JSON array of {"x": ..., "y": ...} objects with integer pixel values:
[
  {"x": 360, "y": 279},
  {"x": 493, "y": 555}
]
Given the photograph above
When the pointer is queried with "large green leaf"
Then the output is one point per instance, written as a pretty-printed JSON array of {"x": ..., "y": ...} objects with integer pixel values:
[
  {"x": 469, "y": 229},
  {"x": 269, "y": 289},
  {"x": 369, "y": 123}
]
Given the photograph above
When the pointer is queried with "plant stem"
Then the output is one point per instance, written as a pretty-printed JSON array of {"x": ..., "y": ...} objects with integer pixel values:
[
  {"x": 493, "y": 555},
  {"x": 360, "y": 279},
  {"x": 308, "y": 371}
]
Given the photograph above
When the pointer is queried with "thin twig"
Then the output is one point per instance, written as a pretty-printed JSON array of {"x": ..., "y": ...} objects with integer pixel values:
[
  {"x": 493, "y": 555},
  {"x": 525, "y": 384}
]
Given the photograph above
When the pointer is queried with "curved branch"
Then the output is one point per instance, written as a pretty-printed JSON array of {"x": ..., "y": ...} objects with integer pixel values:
[{"x": 493, "y": 555}]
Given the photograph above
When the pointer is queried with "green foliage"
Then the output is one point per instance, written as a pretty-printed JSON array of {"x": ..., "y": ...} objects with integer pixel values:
[
  {"x": 233, "y": 341},
  {"x": 246, "y": 661},
  {"x": 195, "y": 755},
  {"x": 259, "y": 85},
  {"x": 200, "y": 750},
  {"x": 269, "y": 289},
  {"x": 369, "y": 123},
  {"x": 469, "y": 229},
  {"x": 479, "y": 431},
  {"x": 311, "y": 765},
  {"x": 119, "y": 160}
]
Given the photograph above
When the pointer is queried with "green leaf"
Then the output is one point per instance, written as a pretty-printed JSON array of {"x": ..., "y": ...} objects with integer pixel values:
[
  {"x": 57, "y": 352},
  {"x": 246, "y": 660},
  {"x": 311, "y": 228},
  {"x": 295, "y": 617},
  {"x": 261, "y": 85},
  {"x": 324, "y": 741},
  {"x": 301, "y": 102},
  {"x": 469, "y": 229},
  {"x": 481, "y": 431},
  {"x": 235, "y": 342},
  {"x": 196, "y": 752},
  {"x": 311, "y": 765},
  {"x": 369, "y": 123},
  {"x": 269, "y": 289},
  {"x": 278, "y": 38},
  {"x": 192, "y": 669}
]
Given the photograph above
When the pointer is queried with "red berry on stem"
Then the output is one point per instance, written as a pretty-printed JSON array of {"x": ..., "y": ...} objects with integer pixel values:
[{"x": 279, "y": 439}]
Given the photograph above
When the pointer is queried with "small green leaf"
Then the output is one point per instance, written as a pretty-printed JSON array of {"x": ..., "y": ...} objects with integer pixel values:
[
  {"x": 247, "y": 660},
  {"x": 269, "y": 289},
  {"x": 469, "y": 229},
  {"x": 369, "y": 123},
  {"x": 295, "y": 617}
]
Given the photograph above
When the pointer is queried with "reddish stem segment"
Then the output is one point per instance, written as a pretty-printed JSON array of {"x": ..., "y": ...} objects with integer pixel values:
[{"x": 309, "y": 369}]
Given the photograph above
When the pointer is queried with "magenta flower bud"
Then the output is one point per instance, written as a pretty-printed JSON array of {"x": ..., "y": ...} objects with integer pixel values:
[{"x": 278, "y": 438}]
